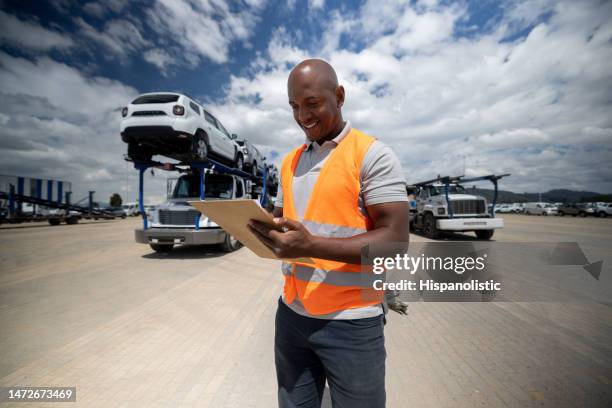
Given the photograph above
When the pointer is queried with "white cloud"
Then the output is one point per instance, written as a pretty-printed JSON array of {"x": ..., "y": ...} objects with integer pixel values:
[
  {"x": 203, "y": 29},
  {"x": 98, "y": 175},
  {"x": 159, "y": 58},
  {"x": 28, "y": 35},
  {"x": 100, "y": 9},
  {"x": 316, "y": 4},
  {"x": 60, "y": 124},
  {"x": 120, "y": 37},
  {"x": 537, "y": 107}
]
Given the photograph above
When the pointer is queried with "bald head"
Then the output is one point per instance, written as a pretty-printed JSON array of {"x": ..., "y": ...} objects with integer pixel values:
[
  {"x": 316, "y": 99},
  {"x": 315, "y": 71}
]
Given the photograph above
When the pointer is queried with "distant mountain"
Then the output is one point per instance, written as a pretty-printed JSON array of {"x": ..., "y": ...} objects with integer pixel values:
[{"x": 552, "y": 196}]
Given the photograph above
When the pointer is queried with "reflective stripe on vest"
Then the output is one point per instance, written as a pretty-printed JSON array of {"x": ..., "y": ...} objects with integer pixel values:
[{"x": 332, "y": 211}]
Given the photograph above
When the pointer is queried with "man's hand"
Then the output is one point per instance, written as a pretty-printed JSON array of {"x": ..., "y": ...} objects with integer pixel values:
[{"x": 294, "y": 241}]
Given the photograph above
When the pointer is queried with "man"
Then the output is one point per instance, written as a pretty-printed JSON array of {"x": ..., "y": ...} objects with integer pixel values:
[{"x": 340, "y": 191}]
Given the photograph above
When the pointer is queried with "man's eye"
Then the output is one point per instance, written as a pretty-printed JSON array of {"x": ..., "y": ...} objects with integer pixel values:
[{"x": 313, "y": 105}]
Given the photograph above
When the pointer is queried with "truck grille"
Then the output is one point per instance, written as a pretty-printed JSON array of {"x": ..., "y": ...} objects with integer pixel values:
[
  {"x": 168, "y": 217},
  {"x": 149, "y": 113},
  {"x": 468, "y": 206}
]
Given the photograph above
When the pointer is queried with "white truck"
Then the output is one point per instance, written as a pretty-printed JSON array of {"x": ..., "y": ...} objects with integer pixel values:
[
  {"x": 176, "y": 222},
  {"x": 443, "y": 204}
]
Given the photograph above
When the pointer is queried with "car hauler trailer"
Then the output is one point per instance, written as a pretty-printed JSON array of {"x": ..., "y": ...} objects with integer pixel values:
[
  {"x": 176, "y": 222},
  {"x": 443, "y": 204},
  {"x": 50, "y": 201}
]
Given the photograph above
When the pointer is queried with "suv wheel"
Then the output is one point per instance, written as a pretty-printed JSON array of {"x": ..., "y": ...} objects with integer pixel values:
[
  {"x": 429, "y": 227},
  {"x": 603, "y": 214},
  {"x": 582, "y": 214},
  {"x": 230, "y": 243},
  {"x": 199, "y": 147},
  {"x": 484, "y": 234}
]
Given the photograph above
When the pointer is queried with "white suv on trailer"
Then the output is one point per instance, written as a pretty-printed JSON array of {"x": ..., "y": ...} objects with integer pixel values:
[{"x": 176, "y": 126}]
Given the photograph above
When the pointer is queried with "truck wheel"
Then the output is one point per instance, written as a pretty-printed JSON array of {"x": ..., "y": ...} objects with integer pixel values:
[
  {"x": 582, "y": 214},
  {"x": 54, "y": 221},
  {"x": 199, "y": 147},
  {"x": 162, "y": 248},
  {"x": 561, "y": 213},
  {"x": 429, "y": 227},
  {"x": 484, "y": 234},
  {"x": 72, "y": 220},
  {"x": 230, "y": 243}
]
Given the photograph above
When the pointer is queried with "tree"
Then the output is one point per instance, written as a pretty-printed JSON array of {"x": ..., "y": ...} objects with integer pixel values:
[{"x": 115, "y": 200}]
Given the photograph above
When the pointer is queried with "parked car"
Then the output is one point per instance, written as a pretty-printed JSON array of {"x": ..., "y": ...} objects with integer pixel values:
[
  {"x": 176, "y": 126},
  {"x": 503, "y": 208},
  {"x": 603, "y": 209},
  {"x": 254, "y": 161},
  {"x": 540, "y": 208},
  {"x": 575, "y": 209},
  {"x": 117, "y": 212},
  {"x": 131, "y": 209}
]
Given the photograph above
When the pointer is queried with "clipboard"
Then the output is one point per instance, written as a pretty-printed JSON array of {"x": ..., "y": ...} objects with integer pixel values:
[{"x": 234, "y": 215}]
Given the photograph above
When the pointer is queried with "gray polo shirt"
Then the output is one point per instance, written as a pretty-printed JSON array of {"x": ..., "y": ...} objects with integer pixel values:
[{"x": 381, "y": 179}]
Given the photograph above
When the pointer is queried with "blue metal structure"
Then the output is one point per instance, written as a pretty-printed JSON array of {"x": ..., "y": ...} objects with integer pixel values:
[{"x": 209, "y": 165}]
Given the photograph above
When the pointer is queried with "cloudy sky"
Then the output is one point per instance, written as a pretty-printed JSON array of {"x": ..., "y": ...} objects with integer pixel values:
[{"x": 521, "y": 87}]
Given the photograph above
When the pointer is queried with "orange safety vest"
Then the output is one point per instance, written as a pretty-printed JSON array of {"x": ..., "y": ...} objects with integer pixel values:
[{"x": 332, "y": 211}]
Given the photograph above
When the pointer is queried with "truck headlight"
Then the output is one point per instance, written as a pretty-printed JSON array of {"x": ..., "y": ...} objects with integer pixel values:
[{"x": 441, "y": 211}]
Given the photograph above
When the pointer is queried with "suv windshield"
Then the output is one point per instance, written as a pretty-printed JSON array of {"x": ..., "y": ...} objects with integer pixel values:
[
  {"x": 215, "y": 185},
  {"x": 158, "y": 98}
]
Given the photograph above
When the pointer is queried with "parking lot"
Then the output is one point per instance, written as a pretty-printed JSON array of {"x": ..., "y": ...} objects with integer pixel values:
[{"x": 85, "y": 306}]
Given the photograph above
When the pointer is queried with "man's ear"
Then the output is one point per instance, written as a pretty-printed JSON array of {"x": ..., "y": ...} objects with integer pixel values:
[{"x": 339, "y": 96}]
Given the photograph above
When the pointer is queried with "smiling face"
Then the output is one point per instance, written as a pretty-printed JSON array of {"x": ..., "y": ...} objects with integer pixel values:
[{"x": 316, "y": 100}]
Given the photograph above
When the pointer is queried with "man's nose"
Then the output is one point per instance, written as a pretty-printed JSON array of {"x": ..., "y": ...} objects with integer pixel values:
[{"x": 304, "y": 115}]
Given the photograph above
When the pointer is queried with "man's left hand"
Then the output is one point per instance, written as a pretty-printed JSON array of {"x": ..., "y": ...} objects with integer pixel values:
[{"x": 294, "y": 241}]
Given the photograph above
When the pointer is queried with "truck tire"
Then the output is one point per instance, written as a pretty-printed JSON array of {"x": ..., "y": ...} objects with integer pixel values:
[
  {"x": 72, "y": 220},
  {"x": 162, "y": 248},
  {"x": 199, "y": 147},
  {"x": 230, "y": 244},
  {"x": 484, "y": 234},
  {"x": 582, "y": 214},
  {"x": 54, "y": 221},
  {"x": 561, "y": 213},
  {"x": 430, "y": 230}
]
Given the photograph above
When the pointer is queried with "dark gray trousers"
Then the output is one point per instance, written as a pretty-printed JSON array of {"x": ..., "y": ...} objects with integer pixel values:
[{"x": 349, "y": 354}]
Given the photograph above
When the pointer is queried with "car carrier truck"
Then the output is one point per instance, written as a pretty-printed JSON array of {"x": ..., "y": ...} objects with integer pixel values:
[
  {"x": 444, "y": 205},
  {"x": 176, "y": 222}
]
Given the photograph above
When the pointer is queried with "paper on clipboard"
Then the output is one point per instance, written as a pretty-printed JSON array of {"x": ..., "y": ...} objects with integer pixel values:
[{"x": 234, "y": 215}]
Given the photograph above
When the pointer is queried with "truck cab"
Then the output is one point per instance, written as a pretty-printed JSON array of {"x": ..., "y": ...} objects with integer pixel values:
[
  {"x": 177, "y": 222},
  {"x": 443, "y": 204}
]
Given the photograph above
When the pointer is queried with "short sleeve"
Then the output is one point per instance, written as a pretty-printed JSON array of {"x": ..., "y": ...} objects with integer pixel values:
[{"x": 382, "y": 178}]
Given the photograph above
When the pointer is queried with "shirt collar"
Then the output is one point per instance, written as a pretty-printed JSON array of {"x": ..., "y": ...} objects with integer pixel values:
[{"x": 345, "y": 131}]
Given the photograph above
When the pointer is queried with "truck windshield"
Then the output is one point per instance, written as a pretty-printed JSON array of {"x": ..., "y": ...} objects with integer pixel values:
[
  {"x": 452, "y": 189},
  {"x": 216, "y": 186}
]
